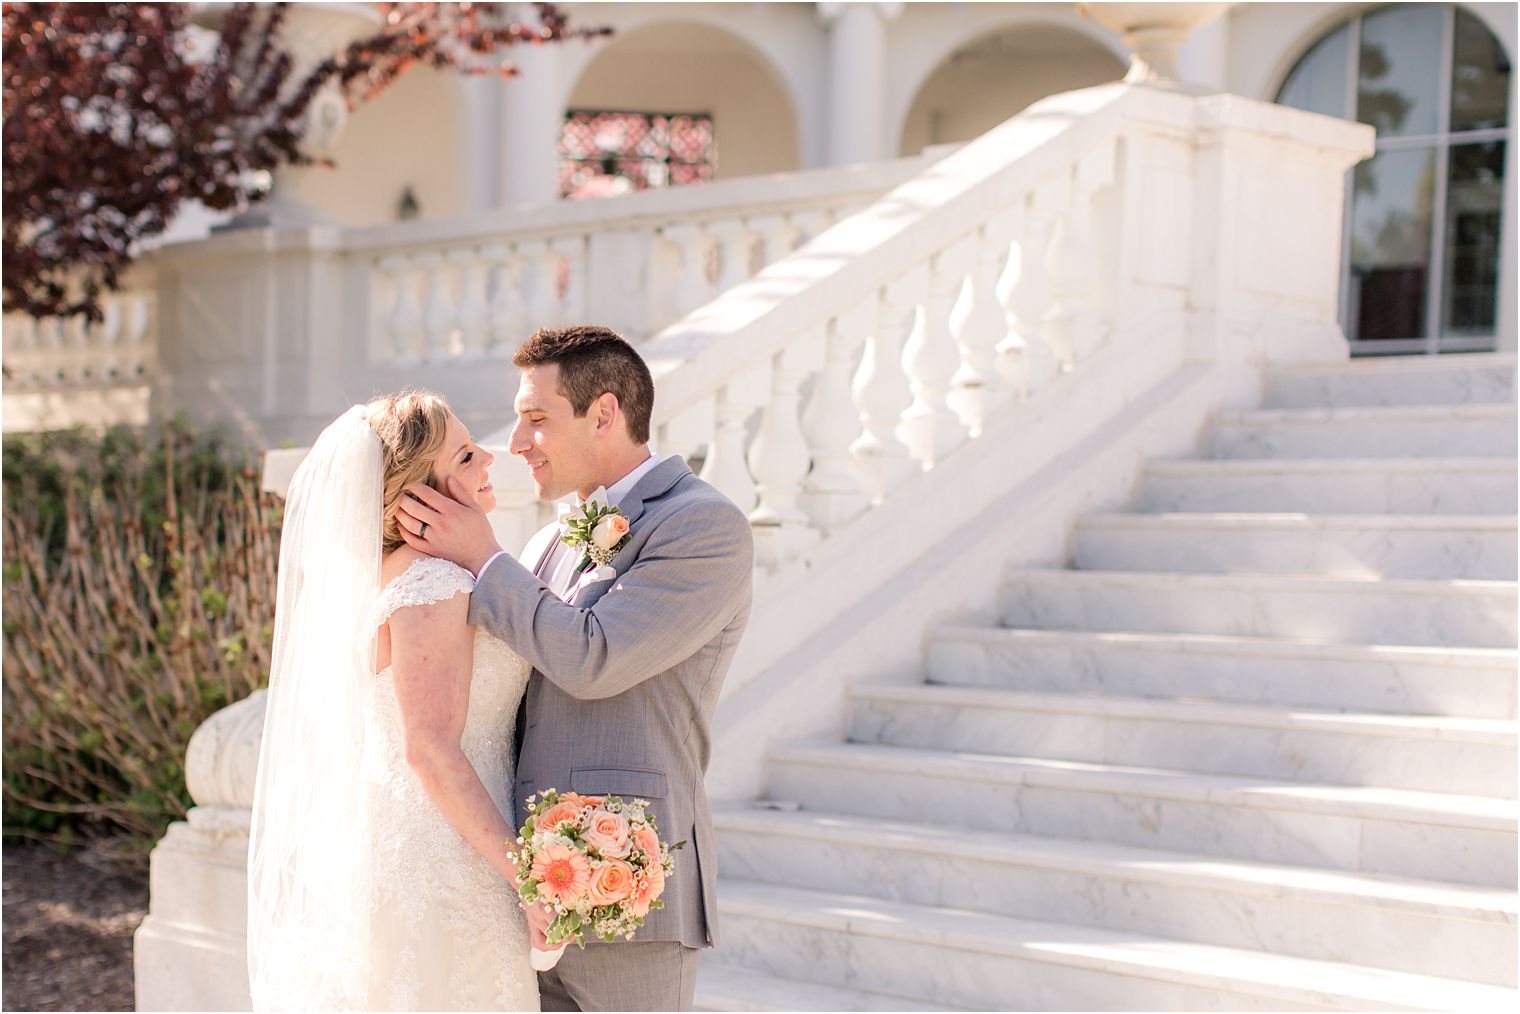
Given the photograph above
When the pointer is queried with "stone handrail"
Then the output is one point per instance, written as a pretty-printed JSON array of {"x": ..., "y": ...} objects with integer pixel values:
[{"x": 1010, "y": 261}]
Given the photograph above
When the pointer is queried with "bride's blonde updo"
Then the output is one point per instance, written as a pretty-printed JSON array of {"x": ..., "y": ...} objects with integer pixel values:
[{"x": 411, "y": 425}]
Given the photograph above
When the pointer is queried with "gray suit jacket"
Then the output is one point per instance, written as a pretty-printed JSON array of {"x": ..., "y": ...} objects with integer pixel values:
[{"x": 627, "y": 672}]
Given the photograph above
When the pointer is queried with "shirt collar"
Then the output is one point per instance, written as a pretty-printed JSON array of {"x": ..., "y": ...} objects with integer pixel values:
[{"x": 618, "y": 490}]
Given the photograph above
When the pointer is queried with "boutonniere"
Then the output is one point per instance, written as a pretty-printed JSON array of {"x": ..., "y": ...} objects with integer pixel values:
[{"x": 599, "y": 532}]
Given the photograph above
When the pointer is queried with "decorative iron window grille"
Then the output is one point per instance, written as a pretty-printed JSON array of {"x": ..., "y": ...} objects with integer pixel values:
[{"x": 603, "y": 152}]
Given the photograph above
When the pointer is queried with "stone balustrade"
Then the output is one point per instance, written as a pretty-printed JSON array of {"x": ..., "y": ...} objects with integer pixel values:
[
  {"x": 276, "y": 330},
  {"x": 65, "y": 370}
]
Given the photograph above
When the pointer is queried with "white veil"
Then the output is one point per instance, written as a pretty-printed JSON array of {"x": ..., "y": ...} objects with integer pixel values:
[{"x": 309, "y": 849}]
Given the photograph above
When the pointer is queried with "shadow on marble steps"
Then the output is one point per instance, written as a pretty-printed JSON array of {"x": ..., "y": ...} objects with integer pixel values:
[
  {"x": 1418, "y": 753},
  {"x": 1459, "y": 613},
  {"x": 1331, "y": 486},
  {"x": 723, "y": 987},
  {"x": 1396, "y": 380},
  {"x": 1479, "y": 547},
  {"x": 1441, "y": 836},
  {"x": 1431, "y": 928},
  {"x": 1459, "y": 682},
  {"x": 1384, "y": 432},
  {"x": 980, "y": 960}
]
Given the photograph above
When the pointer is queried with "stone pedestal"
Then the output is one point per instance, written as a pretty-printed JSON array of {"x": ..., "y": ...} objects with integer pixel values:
[{"x": 190, "y": 953}]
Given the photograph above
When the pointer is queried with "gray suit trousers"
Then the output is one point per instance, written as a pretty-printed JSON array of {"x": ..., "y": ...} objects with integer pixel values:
[{"x": 628, "y": 975}]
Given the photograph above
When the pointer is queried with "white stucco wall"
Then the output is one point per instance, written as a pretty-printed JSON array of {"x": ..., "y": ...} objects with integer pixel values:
[
  {"x": 994, "y": 76},
  {"x": 406, "y": 136}
]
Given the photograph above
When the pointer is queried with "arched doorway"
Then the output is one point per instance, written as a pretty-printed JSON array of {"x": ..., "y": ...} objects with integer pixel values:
[
  {"x": 1422, "y": 267},
  {"x": 666, "y": 104},
  {"x": 992, "y": 77}
]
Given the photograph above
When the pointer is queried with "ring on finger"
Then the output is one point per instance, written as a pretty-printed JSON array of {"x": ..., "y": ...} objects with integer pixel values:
[{"x": 422, "y": 532}]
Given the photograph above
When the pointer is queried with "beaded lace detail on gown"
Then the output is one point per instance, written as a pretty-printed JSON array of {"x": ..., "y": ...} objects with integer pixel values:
[{"x": 447, "y": 932}]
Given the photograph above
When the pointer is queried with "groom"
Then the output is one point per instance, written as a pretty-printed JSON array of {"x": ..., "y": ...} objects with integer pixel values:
[{"x": 627, "y": 667}]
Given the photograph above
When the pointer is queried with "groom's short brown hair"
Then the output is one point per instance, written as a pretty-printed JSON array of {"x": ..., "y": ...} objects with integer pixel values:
[{"x": 592, "y": 361}]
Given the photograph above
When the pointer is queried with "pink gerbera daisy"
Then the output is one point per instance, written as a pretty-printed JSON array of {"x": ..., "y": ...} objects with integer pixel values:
[{"x": 562, "y": 873}]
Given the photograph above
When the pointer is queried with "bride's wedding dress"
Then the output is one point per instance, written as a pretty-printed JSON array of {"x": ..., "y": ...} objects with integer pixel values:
[
  {"x": 361, "y": 895},
  {"x": 447, "y": 932}
]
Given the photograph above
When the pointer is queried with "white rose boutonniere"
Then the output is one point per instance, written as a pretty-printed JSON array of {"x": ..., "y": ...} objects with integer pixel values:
[{"x": 600, "y": 532}]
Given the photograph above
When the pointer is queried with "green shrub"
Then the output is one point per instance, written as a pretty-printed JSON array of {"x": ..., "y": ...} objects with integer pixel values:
[{"x": 138, "y": 599}]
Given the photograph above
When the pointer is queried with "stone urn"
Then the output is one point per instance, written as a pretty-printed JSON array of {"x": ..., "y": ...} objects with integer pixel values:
[
  {"x": 311, "y": 32},
  {"x": 1154, "y": 33}
]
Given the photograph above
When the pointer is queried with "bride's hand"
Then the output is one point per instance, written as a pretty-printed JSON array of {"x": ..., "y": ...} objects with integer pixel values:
[
  {"x": 539, "y": 919},
  {"x": 451, "y": 527}
]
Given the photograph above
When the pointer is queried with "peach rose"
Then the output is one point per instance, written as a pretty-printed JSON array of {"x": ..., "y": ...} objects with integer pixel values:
[
  {"x": 563, "y": 811},
  {"x": 645, "y": 840},
  {"x": 609, "y": 531},
  {"x": 562, "y": 873},
  {"x": 607, "y": 832},
  {"x": 647, "y": 888},
  {"x": 610, "y": 883},
  {"x": 580, "y": 800}
]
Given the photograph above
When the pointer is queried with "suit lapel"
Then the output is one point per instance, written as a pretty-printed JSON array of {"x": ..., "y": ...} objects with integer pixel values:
[
  {"x": 659, "y": 481},
  {"x": 653, "y": 485}
]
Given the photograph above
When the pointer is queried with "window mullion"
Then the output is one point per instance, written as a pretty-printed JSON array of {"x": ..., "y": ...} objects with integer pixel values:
[{"x": 1435, "y": 284}]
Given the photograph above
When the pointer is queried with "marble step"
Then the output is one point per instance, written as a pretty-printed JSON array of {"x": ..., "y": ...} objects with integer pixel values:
[
  {"x": 1470, "y": 682},
  {"x": 1449, "y": 930},
  {"x": 1475, "y": 756},
  {"x": 1436, "y": 486},
  {"x": 1346, "y": 545},
  {"x": 1469, "y": 614},
  {"x": 1419, "y": 432},
  {"x": 1396, "y": 380},
  {"x": 725, "y": 987},
  {"x": 994, "y": 962},
  {"x": 1459, "y": 839}
]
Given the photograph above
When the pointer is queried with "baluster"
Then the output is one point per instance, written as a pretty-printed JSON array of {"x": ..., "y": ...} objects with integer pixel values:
[
  {"x": 810, "y": 223},
  {"x": 778, "y": 237},
  {"x": 108, "y": 337},
  {"x": 978, "y": 325},
  {"x": 50, "y": 338},
  {"x": 76, "y": 340},
  {"x": 405, "y": 319},
  {"x": 1073, "y": 321},
  {"x": 474, "y": 313},
  {"x": 930, "y": 428},
  {"x": 1027, "y": 360},
  {"x": 541, "y": 283},
  {"x": 778, "y": 459},
  {"x": 140, "y": 337},
  {"x": 508, "y": 316},
  {"x": 725, "y": 467},
  {"x": 21, "y": 332},
  {"x": 735, "y": 241},
  {"x": 571, "y": 251},
  {"x": 693, "y": 290},
  {"x": 831, "y": 493},
  {"x": 880, "y": 390},
  {"x": 21, "y": 342},
  {"x": 439, "y": 315}
]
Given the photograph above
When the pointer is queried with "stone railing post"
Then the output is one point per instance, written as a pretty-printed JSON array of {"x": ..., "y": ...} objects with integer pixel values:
[{"x": 191, "y": 951}]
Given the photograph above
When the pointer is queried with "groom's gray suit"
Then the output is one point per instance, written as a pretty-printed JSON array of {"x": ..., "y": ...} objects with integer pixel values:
[{"x": 627, "y": 674}]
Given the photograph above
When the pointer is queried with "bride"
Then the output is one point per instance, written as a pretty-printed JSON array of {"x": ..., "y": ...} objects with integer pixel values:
[{"x": 379, "y": 877}]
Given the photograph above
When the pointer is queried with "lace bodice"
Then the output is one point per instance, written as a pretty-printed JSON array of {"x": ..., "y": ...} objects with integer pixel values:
[{"x": 449, "y": 932}]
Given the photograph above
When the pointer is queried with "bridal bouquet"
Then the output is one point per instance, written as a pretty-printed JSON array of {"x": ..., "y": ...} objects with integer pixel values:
[{"x": 596, "y": 862}]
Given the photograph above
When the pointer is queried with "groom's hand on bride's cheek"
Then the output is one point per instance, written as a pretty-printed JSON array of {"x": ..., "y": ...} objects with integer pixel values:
[{"x": 450, "y": 527}]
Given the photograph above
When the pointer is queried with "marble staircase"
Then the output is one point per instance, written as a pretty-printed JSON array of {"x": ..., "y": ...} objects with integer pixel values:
[{"x": 1254, "y": 749}]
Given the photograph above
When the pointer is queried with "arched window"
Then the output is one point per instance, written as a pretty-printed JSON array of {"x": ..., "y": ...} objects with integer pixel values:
[{"x": 1423, "y": 234}]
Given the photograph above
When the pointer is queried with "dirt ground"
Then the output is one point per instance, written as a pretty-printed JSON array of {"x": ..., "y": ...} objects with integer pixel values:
[{"x": 68, "y": 931}]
